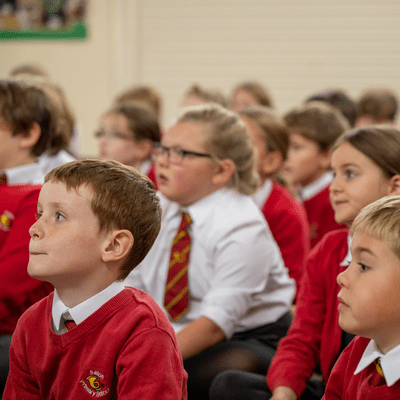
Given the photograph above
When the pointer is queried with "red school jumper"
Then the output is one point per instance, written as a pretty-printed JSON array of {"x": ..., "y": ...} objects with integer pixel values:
[
  {"x": 344, "y": 385},
  {"x": 321, "y": 216},
  {"x": 315, "y": 335},
  {"x": 287, "y": 220},
  {"x": 18, "y": 291},
  {"x": 125, "y": 350}
]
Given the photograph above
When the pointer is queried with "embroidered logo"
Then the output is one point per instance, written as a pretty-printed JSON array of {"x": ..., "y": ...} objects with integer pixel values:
[
  {"x": 93, "y": 384},
  {"x": 314, "y": 230},
  {"x": 5, "y": 220}
]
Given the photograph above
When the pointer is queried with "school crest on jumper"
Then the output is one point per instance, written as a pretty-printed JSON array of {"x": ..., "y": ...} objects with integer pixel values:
[
  {"x": 6, "y": 219},
  {"x": 93, "y": 384}
]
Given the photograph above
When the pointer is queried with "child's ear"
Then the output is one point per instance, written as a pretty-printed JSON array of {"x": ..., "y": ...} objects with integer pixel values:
[
  {"x": 119, "y": 244},
  {"x": 144, "y": 148},
  {"x": 29, "y": 138},
  {"x": 394, "y": 185},
  {"x": 224, "y": 172},
  {"x": 271, "y": 163},
  {"x": 325, "y": 159}
]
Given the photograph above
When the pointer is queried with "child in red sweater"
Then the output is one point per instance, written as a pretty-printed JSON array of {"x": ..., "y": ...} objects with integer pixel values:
[
  {"x": 285, "y": 215},
  {"x": 368, "y": 307},
  {"x": 313, "y": 128},
  {"x": 366, "y": 167},
  {"x": 94, "y": 337}
]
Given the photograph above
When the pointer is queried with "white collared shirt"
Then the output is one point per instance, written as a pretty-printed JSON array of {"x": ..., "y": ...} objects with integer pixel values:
[
  {"x": 236, "y": 274},
  {"x": 48, "y": 162},
  {"x": 83, "y": 310},
  {"x": 145, "y": 167},
  {"x": 309, "y": 191},
  {"x": 390, "y": 362},
  {"x": 347, "y": 260},
  {"x": 262, "y": 194},
  {"x": 25, "y": 174}
]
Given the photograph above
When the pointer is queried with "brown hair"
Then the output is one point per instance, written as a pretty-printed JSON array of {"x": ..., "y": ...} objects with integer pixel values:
[
  {"x": 123, "y": 199},
  {"x": 271, "y": 126},
  {"x": 23, "y": 104},
  {"x": 317, "y": 121},
  {"x": 142, "y": 122},
  {"x": 380, "y": 104},
  {"x": 207, "y": 95},
  {"x": 382, "y": 220},
  {"x": 142, "y": 94},
  {"x": 227, "y": 139},
  {"x": 379, "y": 143},
  {"x": 258, "y": 91},
  {"x": 29, "y": 70}
]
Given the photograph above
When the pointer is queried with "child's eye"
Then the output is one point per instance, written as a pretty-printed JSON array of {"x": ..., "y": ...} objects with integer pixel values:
[
  {"x": 363, "y": 267},
  {"x": 59, "y": 217},
  {"x": 350, "y": 174},
  {"x": 296, "y": 147}
]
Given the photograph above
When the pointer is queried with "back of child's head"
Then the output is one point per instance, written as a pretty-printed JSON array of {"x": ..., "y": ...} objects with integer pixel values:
[
  {"x": 380, "y": 104},
  {"x": 339, "y": 99},
  {"x": 29, "y": 70},
  {"x": 379, "y": 143},
  {"x": 382, "y": 220},
  {"x": 272, "y": 127},
  {"x": 206, "y": 95},
  {"x": 257, "y": 90},
  {"x": 123, "y": 198},
  {"x": 226, "y": 138},
  {"x": 142, "y": 122},
  {"x": 317, "y": 121},
  {"x": 146, "y": 95},
  {"x": 22, "y": 105}
]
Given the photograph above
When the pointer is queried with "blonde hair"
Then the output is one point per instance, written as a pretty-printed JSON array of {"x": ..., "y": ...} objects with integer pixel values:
[
  {"x": 227, "y": 139},
  {"x": 317, "y": 121},
  {"x": 272, "y": 127},
  {"x": 382, "y": 220}
]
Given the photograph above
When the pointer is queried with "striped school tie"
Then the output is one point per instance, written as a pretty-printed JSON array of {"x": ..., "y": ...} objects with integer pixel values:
[
  {"x": 176, "y": 300},
  {"x": 378, "y": 378},
  {"x": 3, "y": 179}
]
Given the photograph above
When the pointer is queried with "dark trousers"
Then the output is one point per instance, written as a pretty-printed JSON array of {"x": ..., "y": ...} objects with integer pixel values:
[
  {"x": 5, "y": 342},
  {"x": 251, "y": 350}
]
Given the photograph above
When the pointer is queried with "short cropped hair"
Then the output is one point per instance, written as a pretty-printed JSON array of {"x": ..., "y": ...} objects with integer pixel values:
[
  {"x": 272, "y": 127},
  {"x": 382, "y": 220},
  {"x": 317, "y": 121},
  {"x": 142, "y": 94},
  {"x": 380, "y": 104},
  {"x": 207, "y": 95},
  {"x": 22, "y": 105},
  {"x": 339, "y": 99},
  {"x": 142, "y": 122},
  {"x": 258, "y": 91},
  {"x": 226, "y": 138},
  {"x": 379, "y": 143},
  {"x": 123, "y": 198}
]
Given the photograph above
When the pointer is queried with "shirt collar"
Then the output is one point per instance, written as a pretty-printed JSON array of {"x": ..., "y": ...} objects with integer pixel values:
[
  {"x": 145, "y": 167},
  {"x": 309, "y": 191},
  {"x": 390, "y": 362},
  {"x": 29, "y": 173},
  {"x": 262, "y": 194},
  {"x": 83, "y": 310},
  {"x": 347, "y": 260}
]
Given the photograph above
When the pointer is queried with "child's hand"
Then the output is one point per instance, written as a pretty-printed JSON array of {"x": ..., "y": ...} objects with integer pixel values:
[{"x": 283, "y": 393}]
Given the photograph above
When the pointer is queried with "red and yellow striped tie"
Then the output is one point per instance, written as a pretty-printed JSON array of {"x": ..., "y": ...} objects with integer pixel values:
[{"x": 176, "y": 299}]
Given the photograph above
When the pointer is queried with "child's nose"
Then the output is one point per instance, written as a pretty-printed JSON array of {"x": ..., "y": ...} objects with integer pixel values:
[
  {"x": 342, "y": 278},
  {"x": 35, "y": 230},
  {"x": 334, "y": 186}
]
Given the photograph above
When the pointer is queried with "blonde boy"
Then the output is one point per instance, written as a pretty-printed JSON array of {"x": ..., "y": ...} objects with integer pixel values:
[
  {"x": 313, "y": 129},
  {"x": 93, "y": 337},
  {"x": 369, "y": 368}
]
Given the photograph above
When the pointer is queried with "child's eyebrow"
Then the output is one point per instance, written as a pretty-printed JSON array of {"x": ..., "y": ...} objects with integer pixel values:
[{"x": 364, "y": 250}]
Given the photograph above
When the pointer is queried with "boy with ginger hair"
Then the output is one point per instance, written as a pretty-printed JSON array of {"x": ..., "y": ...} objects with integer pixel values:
[
  {"x": 93, "y": 336},
  {"x": 368, "y": 306}
]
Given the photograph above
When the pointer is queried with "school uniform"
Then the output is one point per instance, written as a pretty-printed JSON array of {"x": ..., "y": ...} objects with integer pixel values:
[
  {"x": 124, "y": 349},
  {"x": 315, "y": 335},
  {"x": 48, "y": 162},
  {"x": 320, "y": 214},
  {"x": 25, "y": 174},
  {"x": 287, "y": 220},
  {"x": 353, "y": 375}
]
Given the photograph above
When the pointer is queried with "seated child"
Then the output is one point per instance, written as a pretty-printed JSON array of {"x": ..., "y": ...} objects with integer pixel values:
[
  {"x": 369, "y": 307},
  {"x": 215, "y": 268},
  {"x": 18, "y": 290},
  {"x": 250, "y": 94},
  {"x": 313, "y": 128},
  {"x": 377, "y": 106},
  {"x": 28, "y": 122},
  {"x": 127, "y": 134},
  {"x": 285, "y": 215},
  {"x": 197, "y": 95},
  {"x": 93, "y": 336}
]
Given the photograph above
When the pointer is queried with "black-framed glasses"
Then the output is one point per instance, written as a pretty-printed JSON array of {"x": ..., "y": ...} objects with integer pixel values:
[
  {"x": 175, "y": 154},
  {"x": 112, "y": 135}
]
